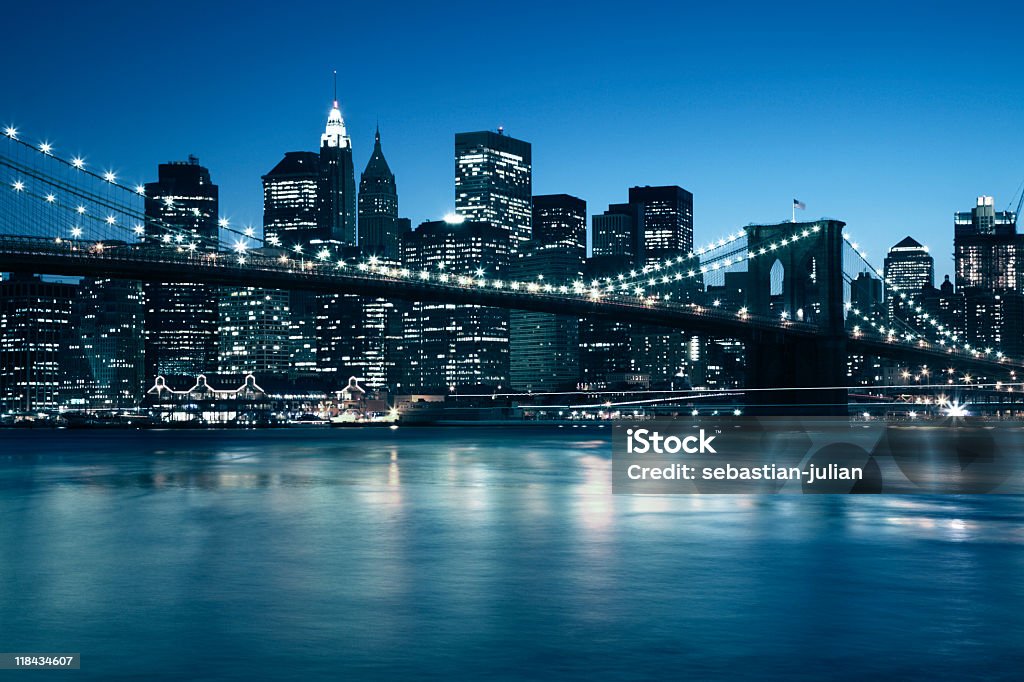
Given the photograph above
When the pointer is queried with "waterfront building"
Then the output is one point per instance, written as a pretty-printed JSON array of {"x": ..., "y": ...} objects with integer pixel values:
[
  {"x": 494, "y": 182},
  {"x": 35, "y": 317},
  {"x": 181, "y": 317}
]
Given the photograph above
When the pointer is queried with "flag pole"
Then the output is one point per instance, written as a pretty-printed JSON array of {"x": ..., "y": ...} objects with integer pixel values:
[{"x": 793, "y": 220}]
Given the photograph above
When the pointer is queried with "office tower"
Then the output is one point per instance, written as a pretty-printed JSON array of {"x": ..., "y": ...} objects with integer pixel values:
[
  {"x": 544, "y": 347},
  {"x": 493, "y": 182},
  {"x": 337, "y": 197},
  {"x": 181, "y": 317},
  {"x": 614, "y": 233},
  {"x": 987, "y": 249},
  {"x": 253, "y": 331},
  {"x": 909, "y": 268},
  {"x": 105, "y": 344},
  {"x": 184, "y": 200},
  {"x": 991, "y": 320},
  {"x": 664, "y": 220},
  {"x": 379, "y": 227},
  {"x": 290, "y": 205},
  {"x": 460, "y": 346},
  {"x": 34, "y": 325},
  {"x": 356, "y": 335}
]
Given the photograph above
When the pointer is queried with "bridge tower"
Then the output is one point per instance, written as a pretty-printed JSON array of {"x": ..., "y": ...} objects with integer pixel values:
[{"x": 810, "y": 291}]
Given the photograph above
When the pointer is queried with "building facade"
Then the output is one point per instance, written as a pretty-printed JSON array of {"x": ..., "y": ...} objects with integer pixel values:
[
  {"x": 987, "y": 248},
  {"x": 545, "y": 348},
  {"x": 35, "y": 319},
  {"x": 181, "y": 317},
  {"x": 494, "y": 182},
  {"x": 454, "y": 347}
]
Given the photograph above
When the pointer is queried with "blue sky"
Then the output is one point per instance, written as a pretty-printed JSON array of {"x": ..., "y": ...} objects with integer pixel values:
[{"x": 888, "y": 118}]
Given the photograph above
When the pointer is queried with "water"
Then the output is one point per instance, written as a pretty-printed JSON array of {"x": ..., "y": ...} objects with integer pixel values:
[{"x": 478, "y": 553}]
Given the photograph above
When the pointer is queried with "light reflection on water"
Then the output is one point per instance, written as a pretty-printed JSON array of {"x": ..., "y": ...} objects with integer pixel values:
[{"x": 480, "y": 552}]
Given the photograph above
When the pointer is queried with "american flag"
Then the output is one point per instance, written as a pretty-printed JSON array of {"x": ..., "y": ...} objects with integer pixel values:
[{"x": 799, "y": 204}]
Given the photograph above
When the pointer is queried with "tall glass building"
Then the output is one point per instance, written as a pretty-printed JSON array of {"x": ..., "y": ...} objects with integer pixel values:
[
  {"x": 181, "y": 317},
  {"x": 494, "y": 182}
]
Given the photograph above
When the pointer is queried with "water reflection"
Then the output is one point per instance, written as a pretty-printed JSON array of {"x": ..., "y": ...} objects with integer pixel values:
[{"x": 349, "y": 553}]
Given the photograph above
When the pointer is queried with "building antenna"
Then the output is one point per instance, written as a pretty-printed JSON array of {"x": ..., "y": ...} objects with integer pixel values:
[{"x": 335, "y": 87}]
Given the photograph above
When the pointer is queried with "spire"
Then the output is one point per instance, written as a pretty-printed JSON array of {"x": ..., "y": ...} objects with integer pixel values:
[
  {"x": 335, "y": 134},
  {"x": 377, "y": 166}
]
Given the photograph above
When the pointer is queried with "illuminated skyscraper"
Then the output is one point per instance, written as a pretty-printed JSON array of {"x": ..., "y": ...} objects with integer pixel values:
[
  {"x": 908, "y": 268},
  {"x": 107, "y": 344},
  {"x": 987, "y": 249},
  {"x": 34, "y": 325},
  {"x": 181, "y": 317},
  {"x": 545, "y": 348},
  {"x": 664, "y": 220},
  {"x": 456, "y": 345},
  {"x": 494, "y": 182},
  {"x": 290, "y": 205},
  {"x": 253, "y": 331},
  {"x": 337, "y": 195}
]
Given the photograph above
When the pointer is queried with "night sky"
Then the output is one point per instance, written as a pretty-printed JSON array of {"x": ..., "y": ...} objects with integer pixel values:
[{"x": 889, "y": 119}]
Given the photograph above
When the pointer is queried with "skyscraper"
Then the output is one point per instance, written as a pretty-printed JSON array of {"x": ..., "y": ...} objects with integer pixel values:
[
  {"x": 290, "y": 204},
  {"x": 107, "y": 344},
  {"x": 337, "y": 197},
  {"x": 908, "y": 268},
  {"x": 664, "y": 220},
  {"x": 253, "y": 331},
  {"x": 988, "y": 249},
  {"x": 614, "y": 233},
  {"x": 181, "y": 317},
  {"x": 379, "y": 228},
  {"x": 183, "y": 198},
  {"x": 456, "y": 345},
  {"x": 34, "y": 325},
  {"x": 544, "y": 347},
  {"x": 494, "y": 182}
]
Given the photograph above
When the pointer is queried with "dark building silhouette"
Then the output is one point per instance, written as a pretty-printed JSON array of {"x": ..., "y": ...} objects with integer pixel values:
[
  {"x": 494, "y": 182},
  {"x": 380, "y": 229},
  {"x": 35, "y": 317},
  {"x": 664, "y": 220},
  {"x": 181, "y": 317}
]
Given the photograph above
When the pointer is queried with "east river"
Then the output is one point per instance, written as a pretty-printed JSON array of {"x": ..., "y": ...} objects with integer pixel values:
[{"x": 479, "y": 553}]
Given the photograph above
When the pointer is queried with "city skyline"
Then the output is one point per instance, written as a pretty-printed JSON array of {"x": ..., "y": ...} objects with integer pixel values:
[{"x": 889, "y": 123}]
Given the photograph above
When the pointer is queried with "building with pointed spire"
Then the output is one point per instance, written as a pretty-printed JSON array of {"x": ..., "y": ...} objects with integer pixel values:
[
  {"x": 337, "y": 196},
  {"x": 380, "y": 228}
]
